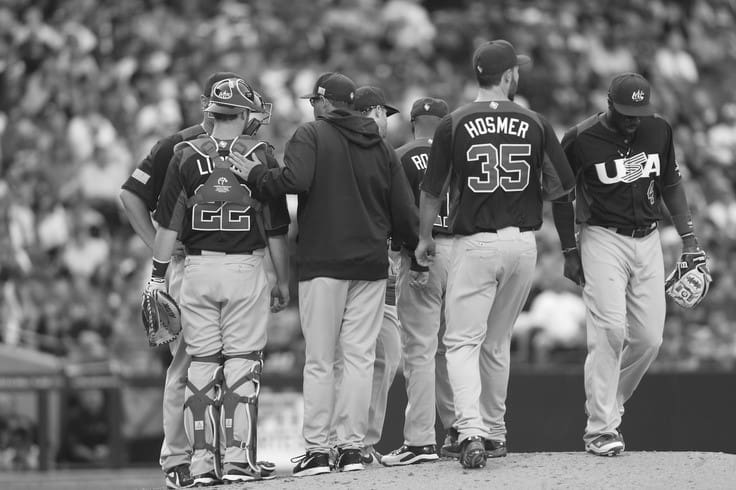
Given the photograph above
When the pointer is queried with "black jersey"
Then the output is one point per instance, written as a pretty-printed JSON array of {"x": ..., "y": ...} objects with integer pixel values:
[
  {"x": 414, "y": 156},
  {"x": 620, "y": 178},
  {"x": 504, "y": 160},
  {"x": 211, "y": 207},
  {"x": 147, "y": 179}
]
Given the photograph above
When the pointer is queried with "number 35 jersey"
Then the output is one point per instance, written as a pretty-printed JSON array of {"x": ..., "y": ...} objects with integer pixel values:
[
  {"x": 211, "y": 207},
  {"x": 503, "y": 160}
]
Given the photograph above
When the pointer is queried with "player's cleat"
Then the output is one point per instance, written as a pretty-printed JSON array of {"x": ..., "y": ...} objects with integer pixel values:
[
  {"x": 473, "y": 452},
  {"x": 311, "y": 463},
  {"x": 208, "y": 479},
  {"x": 450, "y": 448},
  {"x": 495, "y": 449},
  {"x": 370, "y": 455},
  {"x": 410, "y": 454},
  {"x": 240, "y": 472},
  {"x": 349, "y": 460},
  {"x": 621, "y": 438},
  {"x": 179, "y": 477},
  {"x": 606, "y": 445}
]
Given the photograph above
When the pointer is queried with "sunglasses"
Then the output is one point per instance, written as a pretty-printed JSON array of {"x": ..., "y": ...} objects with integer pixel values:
[{"x": 314, "y": 100}]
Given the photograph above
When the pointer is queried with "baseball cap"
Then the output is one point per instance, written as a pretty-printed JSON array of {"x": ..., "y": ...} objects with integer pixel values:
[
  {"x": 333, "y": 86},
  {"x": 216, "y": 77},
  {"x": 630, "y": 94},
  {"x": 427, "y": 106},
  {"x": 496, "y": 56},
  {"x": 232, "y": 96},
  {"x": 367, "y": 97}
]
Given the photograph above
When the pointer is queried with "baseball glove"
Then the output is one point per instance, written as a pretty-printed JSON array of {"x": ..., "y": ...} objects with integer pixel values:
[
  {"x": 688, "y": 284},
  {"x": 161, "y": 315}
]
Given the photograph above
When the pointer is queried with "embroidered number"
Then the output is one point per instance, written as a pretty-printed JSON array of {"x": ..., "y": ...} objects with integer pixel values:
[
  {"x": 502, "y": 167},
  {"x": 220, "y": 217}
]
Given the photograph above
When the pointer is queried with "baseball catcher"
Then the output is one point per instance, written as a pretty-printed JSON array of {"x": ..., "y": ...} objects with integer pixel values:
[
  {"x": 688, "y": 284},
  {"x": 160, "y": 313}
]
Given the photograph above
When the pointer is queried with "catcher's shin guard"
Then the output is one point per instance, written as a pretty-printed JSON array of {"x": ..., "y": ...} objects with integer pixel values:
[
  {"x": 203, "y": 405},
  {"x": 241, "y": 431}
]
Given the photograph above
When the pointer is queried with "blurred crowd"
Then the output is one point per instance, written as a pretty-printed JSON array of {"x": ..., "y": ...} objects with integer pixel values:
[{"x": 88, "y": 86}]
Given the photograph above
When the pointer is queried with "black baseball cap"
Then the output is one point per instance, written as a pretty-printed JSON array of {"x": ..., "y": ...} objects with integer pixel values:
[
  {"x": 333, "y": 86},
  {"x": 216, "y": 77},
  {"x": 233, "y": 96},
  {"x": 630, "y": 95},
  {"x": 428, "y": 106},
  {"x": 496, "y": 56},
  {"x": 367, "y": 97}
]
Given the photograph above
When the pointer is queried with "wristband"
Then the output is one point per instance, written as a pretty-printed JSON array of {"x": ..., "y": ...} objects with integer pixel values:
[{"x": 159, "y": 269}]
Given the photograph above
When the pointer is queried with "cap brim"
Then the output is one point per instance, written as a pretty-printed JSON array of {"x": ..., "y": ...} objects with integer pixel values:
[
  {"x": 390, "y": 111},
  {"x": 224, "y": 109},
  {"x": 307, "y": 96},
  {"x": 634, "y": 111}
]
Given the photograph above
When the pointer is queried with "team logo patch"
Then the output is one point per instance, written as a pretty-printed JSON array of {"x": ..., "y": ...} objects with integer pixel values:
[
  {"x": 222, "y": 185},
  {"x": 223, "y": 90},
  {"x": 493, "y": 105},
  {"x": 638, "y": 96},
  {"x": 426, "y": 107}
]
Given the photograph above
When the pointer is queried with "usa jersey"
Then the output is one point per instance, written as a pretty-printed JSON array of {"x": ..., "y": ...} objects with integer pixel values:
[
  {"x": 414, "y": 156},
  {"x": 503, "y": 160},
  {"x": 621, "y": 177},
  {"x": 211, "y": 207},
  {"x": 148, "y": 178}
]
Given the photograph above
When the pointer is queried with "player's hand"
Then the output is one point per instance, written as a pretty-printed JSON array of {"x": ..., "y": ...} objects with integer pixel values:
[
  {"x": 418, "y": 279},
  {"x": 179, "y": 251},
  {"x": 425, "y": 251},
  {"x": 155, "y": 283},
  {"x": 573, "y": 269},
  {"x": 279, "y": 297},
  {"x": 241, "y": 165}
]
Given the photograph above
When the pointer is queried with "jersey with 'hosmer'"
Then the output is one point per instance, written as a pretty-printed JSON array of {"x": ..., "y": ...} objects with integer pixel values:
[
  {"x": 503, "y": 160},
  {"x": 211, "y": 207},
  {"x": 621, "y": 177},
  {"x": 414, "y": 156}
]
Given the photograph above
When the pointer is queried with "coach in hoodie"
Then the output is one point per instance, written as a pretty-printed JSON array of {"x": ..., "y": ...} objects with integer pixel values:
[{"x": 353, "y": 195}]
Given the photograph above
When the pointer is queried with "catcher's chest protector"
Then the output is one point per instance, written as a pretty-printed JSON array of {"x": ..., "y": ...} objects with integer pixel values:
[{"x": 222, "y": 184}]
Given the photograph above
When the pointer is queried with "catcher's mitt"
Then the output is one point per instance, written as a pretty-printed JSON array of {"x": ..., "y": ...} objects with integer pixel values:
[
  {"x": 688, "y": 284},
  {"x": 161, "y": 316}
]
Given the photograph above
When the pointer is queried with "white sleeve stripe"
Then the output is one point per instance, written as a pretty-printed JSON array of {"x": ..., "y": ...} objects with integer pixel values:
[{"x": 141, "y": 176}]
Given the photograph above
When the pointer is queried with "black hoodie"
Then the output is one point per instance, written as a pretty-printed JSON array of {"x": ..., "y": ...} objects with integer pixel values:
[{"x": 353, "y": 195}]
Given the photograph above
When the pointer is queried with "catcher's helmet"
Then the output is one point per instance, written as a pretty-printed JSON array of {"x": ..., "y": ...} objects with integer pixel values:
[{"x": 233, "y": 96}]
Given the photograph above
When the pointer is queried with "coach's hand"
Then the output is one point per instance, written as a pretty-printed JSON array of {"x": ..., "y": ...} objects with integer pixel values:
[
  {"x": 425, "y": 251},
  {"x": 574, "y": 267},
  {"x": 241, "y": 165},
  {"x": 279, "y": 297}
]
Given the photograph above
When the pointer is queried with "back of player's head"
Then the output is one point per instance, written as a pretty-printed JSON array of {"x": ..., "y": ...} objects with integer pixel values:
[
  {"x": 428, "y": 106},
  {"x": 492, "y": 58},
  {"x": 233, "y": 96},
  {"x": 335, "y": 87},
  {"x": 214, "y": 78}
]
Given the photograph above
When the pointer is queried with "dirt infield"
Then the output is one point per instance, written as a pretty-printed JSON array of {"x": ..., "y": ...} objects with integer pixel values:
[{"x": 640, "y": 470}]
